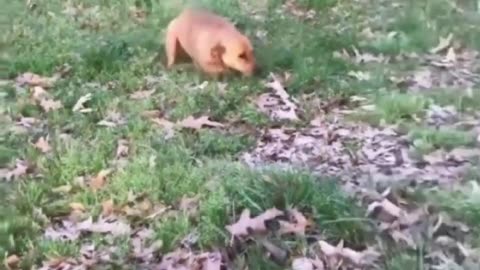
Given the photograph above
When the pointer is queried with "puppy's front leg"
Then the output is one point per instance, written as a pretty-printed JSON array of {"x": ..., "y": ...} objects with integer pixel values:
[{"x": 171, "y": 43}]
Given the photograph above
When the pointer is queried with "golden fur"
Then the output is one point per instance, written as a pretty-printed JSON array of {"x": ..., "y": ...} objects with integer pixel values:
[{"x": 211, "y": 41}]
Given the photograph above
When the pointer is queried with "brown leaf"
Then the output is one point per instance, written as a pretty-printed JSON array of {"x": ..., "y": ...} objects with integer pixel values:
[
  {"x": 38, "y": 93},
  {"x": 277, "y": 105},
  {"x": 256, "y": 224},
  {"x": 298, "y": 225},
  {"x": 32, "y": 79},
  {"x": 167, "y": 125},
  {"x": 12, "y": 262},
  {"x": 100, "y": 179},
  {"x": 21, "y": 169},
  {"x": 366, "y": 257},
  {"x": 49, "y": 104},
  {"x": 108, "y": 225},
  {"x": 385, "y": 210},
  {"x": 122, "y": 149},
  {"x": 211, "y": 260},
  {"x": 198, "y": 123},
  {"x": 107, "y": 208},
  {"x": 142, "y": 94},
  {"x": 42, "y": 145}
]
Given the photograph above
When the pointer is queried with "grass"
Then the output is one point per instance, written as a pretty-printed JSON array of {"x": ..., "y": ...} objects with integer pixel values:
[{"x": 112, "y": 56}]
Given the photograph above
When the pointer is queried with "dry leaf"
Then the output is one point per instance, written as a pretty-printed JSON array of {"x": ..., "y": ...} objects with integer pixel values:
[
  {"x": 122, "y": 149},
  {"x": 298, "y": 226},
  {"x": 142, "y": 94},
  {"x": 256, "y": 224},
  {"x": 38, "y": 93},
  {"x": 366, "y": 257},
  {"x": 80, "y": 104},
  {"x": 109, "y": 225},
  {"x": 32, "y": 79},
  {"x": 49, "y": 104},
  {"x": 76, "y": 206},
  {"x": 107, "y": 208},
  {"x": 167, "y": 125},
  {"x": 198, "y": 123},
  {"x": 451, "y": 56},
  {"x": 12, "y": 262},
  {"x": 443, "y": 43},
  {"x": 278, "y": 105},
  {"x": 302, "y": 264},
  {"x": 21, "y": 169},
  {"x": 62, "y": 189},
  {"x": 100, "y": 179},
  {"x": 385, "y": 210},
  {"x": 211, "y": 260},
  {"x": 42, "y": 145},
  {"x": 360, "y": 75}
]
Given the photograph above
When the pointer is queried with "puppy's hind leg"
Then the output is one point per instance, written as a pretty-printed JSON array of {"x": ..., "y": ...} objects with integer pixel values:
[{"x": 171, "y": 43}]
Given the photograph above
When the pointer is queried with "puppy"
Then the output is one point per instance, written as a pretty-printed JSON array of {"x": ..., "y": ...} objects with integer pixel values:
[{"x": 211, "y": 41}]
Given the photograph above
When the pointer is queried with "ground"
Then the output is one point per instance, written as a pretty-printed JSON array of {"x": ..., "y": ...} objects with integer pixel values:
[{"x": 356, "y": 146}]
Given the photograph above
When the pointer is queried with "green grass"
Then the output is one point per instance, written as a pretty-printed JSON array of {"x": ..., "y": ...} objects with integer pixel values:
[
  {"x": 428, "y": 139},
  {"x": 112, "y": 56}
]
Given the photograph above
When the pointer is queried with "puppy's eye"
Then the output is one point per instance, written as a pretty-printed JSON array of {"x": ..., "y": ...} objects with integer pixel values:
[{"x": 243, "y": 56}]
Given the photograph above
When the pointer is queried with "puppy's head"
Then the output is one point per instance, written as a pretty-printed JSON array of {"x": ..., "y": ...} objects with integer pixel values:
[{"x": 236, "y": 52}]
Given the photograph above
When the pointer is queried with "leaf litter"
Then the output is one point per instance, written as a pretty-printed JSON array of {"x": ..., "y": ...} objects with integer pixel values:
[{"x": 366, "y": 159}]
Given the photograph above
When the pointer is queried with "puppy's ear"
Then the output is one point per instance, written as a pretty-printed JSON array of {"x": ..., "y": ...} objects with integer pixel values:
[{"x": 216, "y": 52}]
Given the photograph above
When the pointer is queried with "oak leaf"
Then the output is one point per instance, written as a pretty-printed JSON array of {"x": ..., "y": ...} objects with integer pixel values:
[{"x": 256, "y": 224}]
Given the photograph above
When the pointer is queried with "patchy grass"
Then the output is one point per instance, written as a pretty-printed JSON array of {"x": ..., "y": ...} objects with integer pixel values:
[
  {"x": 112, "y": 55},
  {"x": 428, "y": 139}
]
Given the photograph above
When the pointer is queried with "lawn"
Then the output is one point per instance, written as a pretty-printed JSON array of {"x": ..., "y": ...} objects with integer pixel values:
[{"x": 357, "y": 144}]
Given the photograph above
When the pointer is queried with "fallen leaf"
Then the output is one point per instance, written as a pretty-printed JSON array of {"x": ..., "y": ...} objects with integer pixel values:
[
  {"x": 122, "y": 149},
  {"x": 42, "y": 145},
  {"x": 49, "y": 104},
  {"x": 110, "y": 225},
  {"x": 32, "y": 79},
  {"x": 62, "y": 189},
  {"x": 38, "y": 93},
  {"x": 302, "y": 264},
  {"x": 100, "y": 179},
  {"x": 198, "y": 123},
  {"x": 278, "y": 105},
  {"x": 210, "y": 260},
  {"x": 360, "y": 75},
  {"x": 451, "y": 56},
  {"x": 443, "y": 43},
  {"x": 20, "y": 169},
  {"x": 107, "y": 208},
  {"x": 256, "y": 224},
  {"x": 12, "y": 262},
  {"x": 359, "y": 258},
  {"x": 76, "y": 206},
  {"x": 80, "y": 104},
  {"x": 167, "y": 125},
  {"x": 142, "y": 94},
  {"x": 113, "y": 119},
  {"x": 298, "y": 226},
  {"x": 385, "y": 210}
]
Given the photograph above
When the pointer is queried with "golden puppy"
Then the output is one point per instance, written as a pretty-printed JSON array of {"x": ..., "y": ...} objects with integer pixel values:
[{"x": 211, "y": 41}]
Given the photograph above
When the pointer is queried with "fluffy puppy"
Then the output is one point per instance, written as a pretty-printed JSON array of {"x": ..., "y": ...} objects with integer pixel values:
[{"x": 211, "y": 41}]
